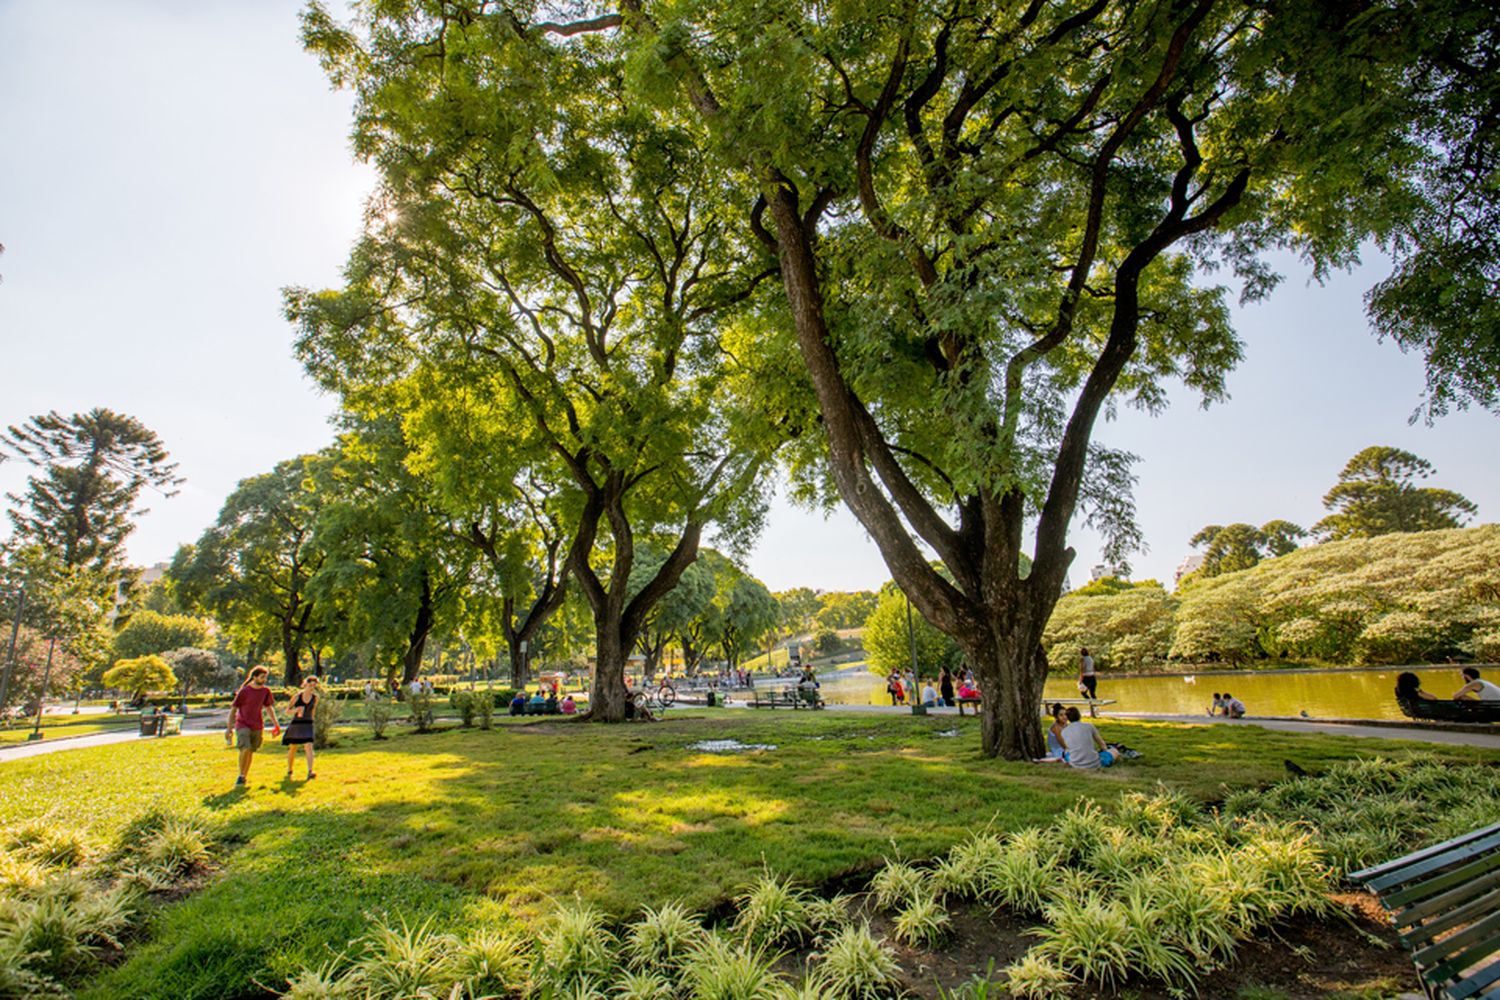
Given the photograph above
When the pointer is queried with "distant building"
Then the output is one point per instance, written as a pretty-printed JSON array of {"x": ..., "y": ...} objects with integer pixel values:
[{"x": 1191, "y": 564}]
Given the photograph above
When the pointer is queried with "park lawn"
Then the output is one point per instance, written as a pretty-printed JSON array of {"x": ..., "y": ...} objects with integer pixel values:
[
  {"x": 458, "y": 825},
  {"x": 56, "y": 727}
]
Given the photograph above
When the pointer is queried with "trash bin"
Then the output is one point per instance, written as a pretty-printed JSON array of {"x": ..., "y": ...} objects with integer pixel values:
[{"x": 151, "y": 725}]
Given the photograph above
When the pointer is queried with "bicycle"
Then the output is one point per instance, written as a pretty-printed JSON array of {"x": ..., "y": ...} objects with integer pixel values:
[{"x": 658, "y": 701}]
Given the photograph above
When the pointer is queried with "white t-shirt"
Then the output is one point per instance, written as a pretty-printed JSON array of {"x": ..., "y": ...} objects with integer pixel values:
[
  {"x": 928, "y": 694},
  {"x": 1487, "y": 691},
  {"x": 1088, "y": 666},
  {"x": 1078, "y": 739}
]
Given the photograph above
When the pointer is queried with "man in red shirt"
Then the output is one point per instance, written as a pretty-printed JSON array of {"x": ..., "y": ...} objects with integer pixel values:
[{"x": 247, "y": 718}]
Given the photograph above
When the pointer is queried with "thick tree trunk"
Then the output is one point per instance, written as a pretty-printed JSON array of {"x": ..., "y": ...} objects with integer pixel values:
[
  {"x": 1010, "y": 671},
  {"x": 607, "y": 699},
  {"x": 411, "y": 661},
  {"x": 290, "y": 655},
  {"x": 520, "y": 673}
]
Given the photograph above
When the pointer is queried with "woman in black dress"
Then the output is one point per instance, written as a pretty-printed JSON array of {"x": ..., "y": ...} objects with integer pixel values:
[
  {"x": 945, "y": 687},
  {"x": 299, "y": 731}
]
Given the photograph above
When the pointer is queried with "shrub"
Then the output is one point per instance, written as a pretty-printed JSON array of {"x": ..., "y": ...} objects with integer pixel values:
[
  {"x": 485, "y": 705},
  {"x": 326, "y": 715},
  {"x": 403, "y": 962},
  {"x": 47, "y": 843},
  {"x": 179, "y": 847},
  {"x": 643, "y": 986},
  {"x": 466, "y": 704},
  {"x": 857, "y": 966},
  {"x": 490, "y": 963},
  {"x": 1036, "y": 977},
  {"x": 379, "y": 713},
  {"x": 826, "y": 916},
  {"x": 420, "y": 706}
]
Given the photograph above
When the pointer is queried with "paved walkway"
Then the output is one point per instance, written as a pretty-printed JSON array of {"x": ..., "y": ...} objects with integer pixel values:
[{"x": 193, "y": 725}]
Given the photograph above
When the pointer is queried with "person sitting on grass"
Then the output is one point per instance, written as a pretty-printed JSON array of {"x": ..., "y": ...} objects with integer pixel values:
[
  {"x": 1233, "y": 707},
  {"x": 1409, "y": 688},
  {"x": 1055, "y": 746},
  {"x": 1083, "y": 747},
  {"x": 1475, "y": 688},
  {"x": 247, "y": 719}
]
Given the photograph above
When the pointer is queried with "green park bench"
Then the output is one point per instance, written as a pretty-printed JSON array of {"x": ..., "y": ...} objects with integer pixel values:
[
  {"x": 165, "y": 724},
  {"x": 1445, "y": 904},
  {"x": 787, "y": 697},
  {"x": 1092, "y": 703}
]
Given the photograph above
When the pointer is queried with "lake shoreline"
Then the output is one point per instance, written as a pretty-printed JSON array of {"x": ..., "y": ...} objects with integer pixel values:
[{"x": 1274, "y": 671}]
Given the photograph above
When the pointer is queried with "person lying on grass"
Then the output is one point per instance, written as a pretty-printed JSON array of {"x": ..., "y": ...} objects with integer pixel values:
[
  {"x": 1083, "y": 747},
  {"x": 247, "y": 718}
]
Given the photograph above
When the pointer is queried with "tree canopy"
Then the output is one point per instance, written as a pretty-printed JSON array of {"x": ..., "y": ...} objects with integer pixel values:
[
  {"x": 1229, "y": 548},
  {"x": 140, "y": 675},
  {"x": 92, "y": 468},
  {"x": 152, "y": 632},
  {"x": 1377, "y": 494},
  {"x": 990, "y": 226}
]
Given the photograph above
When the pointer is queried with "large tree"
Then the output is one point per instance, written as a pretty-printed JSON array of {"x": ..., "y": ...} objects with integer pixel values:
[
  {"x": 569, "y": 261},
  {"x": 1377, "y": 494},
  {"x": 252, "y": 568},
  {"x": 92, "y": 468},
  {"x": 989, "y": 224},
  {"x": 1233, "y": 547}
]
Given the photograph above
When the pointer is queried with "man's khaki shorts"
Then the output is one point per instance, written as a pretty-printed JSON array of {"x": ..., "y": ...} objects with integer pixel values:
[{"x": 248, "y": 739}]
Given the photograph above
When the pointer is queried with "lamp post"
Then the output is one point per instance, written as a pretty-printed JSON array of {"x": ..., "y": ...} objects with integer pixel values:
[
  {"x": 917, "y": 708},
  {"x": 10, "y": 659},
  {"x": 520, "y": 682},
  {"x": 41, "y": 698}
]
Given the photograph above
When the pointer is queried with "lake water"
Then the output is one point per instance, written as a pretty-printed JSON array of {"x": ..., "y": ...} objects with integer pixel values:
[{"x": 1348, "y": 694}]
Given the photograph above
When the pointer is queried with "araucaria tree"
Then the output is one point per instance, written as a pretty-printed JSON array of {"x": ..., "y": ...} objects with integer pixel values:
[
  {"x": 1377, "y": 494},
  {"x": 92, "y": 468},
  {"x": 566, "y": 258},
  {"x": 989, "y": 222}
]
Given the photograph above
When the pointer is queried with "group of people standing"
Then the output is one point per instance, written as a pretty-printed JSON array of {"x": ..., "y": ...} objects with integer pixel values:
[
  {"x": 246, "y": 726},
  {"x": 902, "y": 687}
]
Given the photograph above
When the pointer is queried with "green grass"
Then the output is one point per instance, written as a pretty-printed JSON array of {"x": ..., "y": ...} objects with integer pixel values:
[
  {"x": 464, "y": 824},
  {"x": 55, "y": 727}
]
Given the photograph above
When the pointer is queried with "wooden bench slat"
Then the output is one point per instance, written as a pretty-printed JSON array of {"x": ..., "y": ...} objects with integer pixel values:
[
  {"x": 1440, "y": 952},
  {"x": 1437, "y": 883},
  {"x": 1365, "y": 874},
  {"x": 1424, "y": 934},
  {"x": 1435, "y": 905},
  {"x": 1483, "y": 939},
  {"x": 1488, "y": 976},
  {"x": 1453, "y": 855}
]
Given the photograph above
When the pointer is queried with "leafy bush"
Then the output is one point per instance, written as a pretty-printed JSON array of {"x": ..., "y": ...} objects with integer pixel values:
[
  {"x": 49, "y": 843},
  {"x": 326, "y": 714},
  {"x": 576, "y": 946},
  {"x": 922, "y": 922},
  {"x": 379, "y": 713},
  {"x": 719, "y": 969},
  {"x": 466, "y": 704},
  {"x": 895, "y": 884},
  {"x": 484, "y": 705},
  {"x": 420, "y": 706}
]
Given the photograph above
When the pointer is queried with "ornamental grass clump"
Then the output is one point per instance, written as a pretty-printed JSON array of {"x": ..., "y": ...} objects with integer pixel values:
[
  {"x": 662, "y": 938},
  {"x": 49, "y": 843},
  {"x": 857, "y": 966},
  {"x": 575, "y": 946},
  {"x": 772, "y": 912},
  {"x": 826, "y": 917},
  {"x": 896, "y": 883},
  {"x": 922, "y": 922},
  {"x": 399, "y": 962},
  {"x": 968, "y": 869},
  {"x": 720, "y": 969}
]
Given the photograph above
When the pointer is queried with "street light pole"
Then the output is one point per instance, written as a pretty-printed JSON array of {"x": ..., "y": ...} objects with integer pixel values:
[
  {"x": 917, "y": 708},
  {"x": 10, "y": 659},
  {"x": 41, "y": 698}
]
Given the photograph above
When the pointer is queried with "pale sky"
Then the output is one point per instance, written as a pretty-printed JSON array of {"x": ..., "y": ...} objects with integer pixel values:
[{"x": 167, "y": 166}]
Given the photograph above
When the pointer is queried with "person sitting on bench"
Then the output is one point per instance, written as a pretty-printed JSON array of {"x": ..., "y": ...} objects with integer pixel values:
[
  {"x": 1475, "y": 688},
  {"x": 1409, "y": 688}
]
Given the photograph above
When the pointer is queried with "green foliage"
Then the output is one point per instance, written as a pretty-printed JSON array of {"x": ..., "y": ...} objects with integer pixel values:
[
  {"x": 148, "y": 632},
  {"x": 663, "y": 937},
  {"x": 1391, "y": 599},
  {"x": 142, "y": 674},
  {"x": 326, "y": 714},
  {"x": 92, "y": 467},
  {"x": 895, "y": 885},
  {"x": 772, "y": 911},
  {"x": 843, "y": 610},
  {"x": 1124, "y": 626},
  {"x": 1240, "y": 546},
  {"x": 855, "y": 965},
  {"x": 420, "y": 705},
  {"x": 199, "y": 668},
  {"x": 466, "y": 704},
  {"x": 719, "y": 969},
  {"x": 1377, "y": 495},
  {"x": 576, "y": 946},
  {"x": 922, "y": 921},
  {"x": 379, "y": 712},
  {"x": 888, "y": 643}
]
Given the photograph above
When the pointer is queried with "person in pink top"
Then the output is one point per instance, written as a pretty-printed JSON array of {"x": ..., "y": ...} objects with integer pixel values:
[{"x": 247, "y": 719}]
